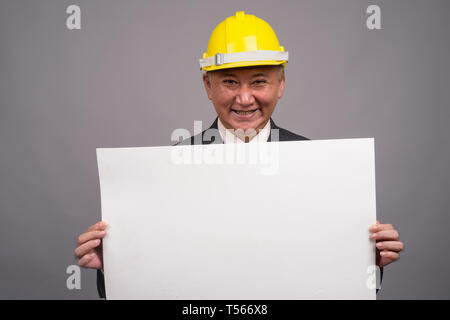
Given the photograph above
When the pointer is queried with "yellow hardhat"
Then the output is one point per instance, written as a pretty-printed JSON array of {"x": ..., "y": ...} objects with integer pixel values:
[{"x": 242, "y": 40}]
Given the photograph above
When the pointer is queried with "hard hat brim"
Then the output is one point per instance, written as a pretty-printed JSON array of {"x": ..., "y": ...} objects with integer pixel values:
[{"x": 244, "y": 64}]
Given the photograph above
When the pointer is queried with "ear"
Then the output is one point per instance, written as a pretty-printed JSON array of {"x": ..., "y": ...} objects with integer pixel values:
[
  {"x": 207, "y": 85},
  {"x": 281, "y": 87}
]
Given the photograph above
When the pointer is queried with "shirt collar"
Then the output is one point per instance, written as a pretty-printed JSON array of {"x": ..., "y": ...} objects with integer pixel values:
[{"x": 238, "y": 136}]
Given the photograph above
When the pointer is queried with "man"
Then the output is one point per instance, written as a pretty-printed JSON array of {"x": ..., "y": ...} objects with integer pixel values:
[{"x": 244, "y": 79}]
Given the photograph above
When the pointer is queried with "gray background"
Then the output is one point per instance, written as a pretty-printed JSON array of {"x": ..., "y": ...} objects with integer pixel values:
[{"x": 130, "y": 76}]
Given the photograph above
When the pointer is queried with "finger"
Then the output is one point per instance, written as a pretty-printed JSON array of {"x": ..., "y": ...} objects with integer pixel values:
[
  {"x": 86, "y": 247},
  {"x": 386, "y": 235},
  {"x": 396, "y": 246},
  {"x": 101, "y": 225},
  {"x": 374, "y": 226},
  {"x": 393, "y": 256},
  {"x": 84, "y": 261},
  {"x": 381, "y": 227},
  {"x": 90, "y": 236}
]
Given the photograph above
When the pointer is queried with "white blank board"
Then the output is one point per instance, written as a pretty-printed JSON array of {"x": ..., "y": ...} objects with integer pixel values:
[{"x": 230, "y": 231}]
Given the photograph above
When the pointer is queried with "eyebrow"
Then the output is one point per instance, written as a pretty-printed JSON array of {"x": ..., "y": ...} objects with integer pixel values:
[
  {"x": 261, "y": 74},
  {"x": 228, "y": 75}
]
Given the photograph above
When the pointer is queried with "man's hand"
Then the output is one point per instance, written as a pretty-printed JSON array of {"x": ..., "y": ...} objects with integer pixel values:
[
  {"x": 89, "y": 250},
  {"x": 387, "y": 245}
]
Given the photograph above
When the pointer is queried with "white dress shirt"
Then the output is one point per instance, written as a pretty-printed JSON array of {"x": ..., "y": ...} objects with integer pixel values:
[{"x": 239, "y": 136}]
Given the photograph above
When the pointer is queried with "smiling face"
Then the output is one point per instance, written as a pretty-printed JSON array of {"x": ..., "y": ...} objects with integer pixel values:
[{"x": 245, "y": 98}]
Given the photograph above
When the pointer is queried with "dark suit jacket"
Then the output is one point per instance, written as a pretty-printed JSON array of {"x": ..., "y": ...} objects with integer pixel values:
[{"x": 283, "y": 135}]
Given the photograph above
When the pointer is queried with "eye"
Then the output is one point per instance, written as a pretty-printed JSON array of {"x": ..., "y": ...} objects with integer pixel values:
[
  {"x": 230, "y": 81},
  {"x": 259, "y": 81}
]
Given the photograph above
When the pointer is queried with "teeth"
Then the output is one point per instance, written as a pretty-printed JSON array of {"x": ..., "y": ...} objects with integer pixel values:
[{"x": 244, "y": 112}]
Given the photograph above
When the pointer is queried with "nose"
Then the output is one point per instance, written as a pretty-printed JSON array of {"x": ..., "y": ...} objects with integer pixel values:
[{"x": 245, "y": 97}]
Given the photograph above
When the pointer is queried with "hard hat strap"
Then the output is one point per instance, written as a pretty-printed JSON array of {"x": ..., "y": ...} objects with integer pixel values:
[{"x": 260, "y": 55}]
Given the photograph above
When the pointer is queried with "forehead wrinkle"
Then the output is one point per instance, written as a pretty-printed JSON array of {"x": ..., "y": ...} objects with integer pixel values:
[
  {"x": 259, "y": 74},
  {"x": 228, "y": 75}
]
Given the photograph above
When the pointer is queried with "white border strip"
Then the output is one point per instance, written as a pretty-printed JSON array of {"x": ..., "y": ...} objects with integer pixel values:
[{"x": 260, "y": 55}]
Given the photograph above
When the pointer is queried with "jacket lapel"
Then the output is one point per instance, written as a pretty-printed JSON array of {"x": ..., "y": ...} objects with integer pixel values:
[{"x": 283, "y": 134}]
